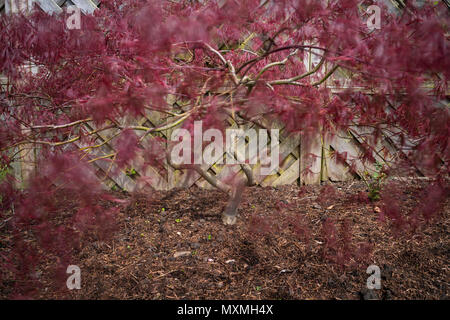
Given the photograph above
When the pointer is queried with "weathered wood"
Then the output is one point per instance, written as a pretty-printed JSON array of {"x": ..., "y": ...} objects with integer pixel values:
[
  {"x": 289, "y": 176},
  {"x": 288, "y": 154},
  {"x": 16, "y": 6},
  {"x": 49, "y": 6},
  {"x": 381, "y": 149},
  {"x": 292, "y": 161},
  {"x": 117, "y": 175},
  {"x": 295, "y": 160},
  {"x": 343, "y": 142},
  {"x": 27, "y": 163},
  {"x": 335, "y": 171},
  {"x": 86, "y": 6},
  {"x": 120, "y": 178},
  {"x": 3, "y": 82},
  {"x": 149, "y": 174},
  {"x": 310, "y": 159}
]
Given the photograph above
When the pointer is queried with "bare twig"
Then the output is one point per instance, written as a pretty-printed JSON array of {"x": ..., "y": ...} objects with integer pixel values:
[{"x": 207, "y": 176}]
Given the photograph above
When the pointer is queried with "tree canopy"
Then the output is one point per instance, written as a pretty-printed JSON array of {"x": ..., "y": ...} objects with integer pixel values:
[{"x": 209, "y": 60}]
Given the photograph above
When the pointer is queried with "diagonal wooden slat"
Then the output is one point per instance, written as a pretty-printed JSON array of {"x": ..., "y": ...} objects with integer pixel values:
[
  {"x": 289, "y": 176},
  {"x": 382, "y": 151},
  {"x": 49, "y": 6},
  {"x": 333, "y": 170},
  {"x": 121, "y": 179},
  {"x": 345, "y": 143},
  {"x": 86, "y": 6},
  {"x": 148, "y": 173}
]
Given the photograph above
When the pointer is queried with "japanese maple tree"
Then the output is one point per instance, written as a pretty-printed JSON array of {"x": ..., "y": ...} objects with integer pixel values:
[{"x": 209, "y": 61}]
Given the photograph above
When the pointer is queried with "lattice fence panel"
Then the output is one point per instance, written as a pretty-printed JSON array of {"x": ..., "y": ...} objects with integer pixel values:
[{"x": 301, "y": 160}]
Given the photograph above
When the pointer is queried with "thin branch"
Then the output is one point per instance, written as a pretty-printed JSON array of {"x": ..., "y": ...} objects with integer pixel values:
[
  {"x": 207, "y": 176},
  {"x": 273, "y": 64},
  {"x": 52, "y": 127},
  {"x": 299, "y": 77},
  {"x": 326, "y": 76},
  {"x": 221, "y": 57},
  {"x": 227, "y": 63},
  {"x": 248, "y": 173},
  {"x": 55, "y": 144},
  {"x": 103, "y": 157},
  {"x": 302, "y": 47}
]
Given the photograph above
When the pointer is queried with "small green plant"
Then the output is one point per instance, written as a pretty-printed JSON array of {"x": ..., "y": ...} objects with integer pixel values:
[
  {"x": 177, "y": 220},
  {"x": 374, "y": 181},
  {"x": 131, "y": 172},
  {"x": 209, "y": 237}
]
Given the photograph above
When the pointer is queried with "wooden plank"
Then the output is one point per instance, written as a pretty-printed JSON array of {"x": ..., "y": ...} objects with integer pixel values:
[
  {"x": 149, "y": 174},
  {"x": 230, "y": 171},
  {"x": 288, "y": 146},
  {"x": 406, "y": 148},
  {"x": 27, "y": 159},
  {"x": 16, "y": 167},
  {"x": 289, "y": 176},
  {"x": 335, "y": 171},
  {"x": 16, "y": 6},
  {"x": 344, "y": 143},
  {"x": 331, "y": 169},
  {"x": 233, "y": 170},
  {"x": 120, "y": 178},
  {"x": 86, "y": 6},
  {"x": 27, "y": 163},
  {"x": 310, "y": 159},
  {"x": 173, "y": 175},
  {"x": 49, "y": 6},
  {"x": 288, "y": 154},
  {"x": 3, "y": 82},
  {"x": 381, "y": 150},
  {"x": 189, "y": 177}
]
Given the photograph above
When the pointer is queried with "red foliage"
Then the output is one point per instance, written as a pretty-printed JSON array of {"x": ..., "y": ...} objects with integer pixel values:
[
  {"x": 260, "y": 225},
  {"x": 406, "y": 220},
  {"x": 127, "y": 146},
  {"x": 301, "y": 228},
  {"x": 339, "y": 247},
  {"x": 327, "y": 195},
  {"x": 131, "y": 56}
]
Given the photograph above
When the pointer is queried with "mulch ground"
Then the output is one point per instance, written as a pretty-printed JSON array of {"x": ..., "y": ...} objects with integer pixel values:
[{"x": 173, "y": 245}]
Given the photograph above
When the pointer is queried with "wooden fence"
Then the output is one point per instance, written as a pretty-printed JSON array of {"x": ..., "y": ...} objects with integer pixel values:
[
  {"x": 301, "y": 161},
  {"x": 51, "y": 6}
]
